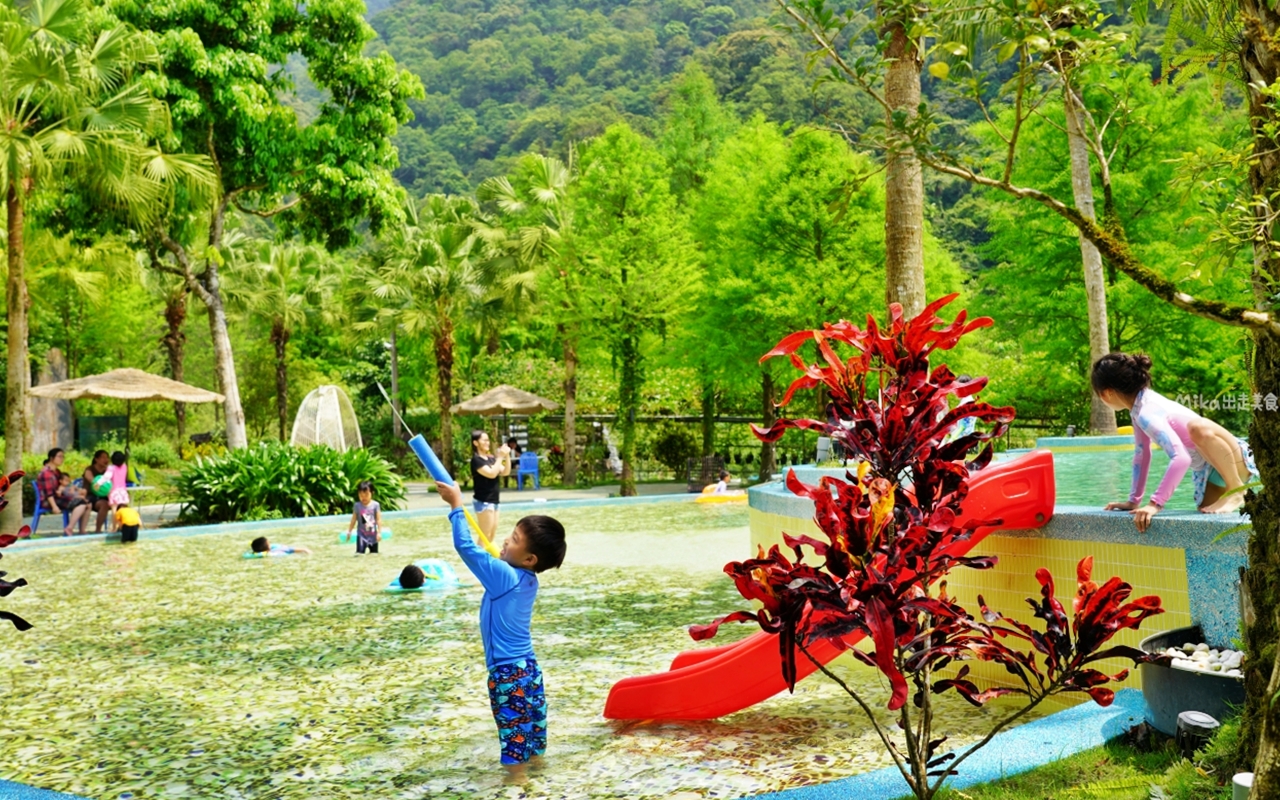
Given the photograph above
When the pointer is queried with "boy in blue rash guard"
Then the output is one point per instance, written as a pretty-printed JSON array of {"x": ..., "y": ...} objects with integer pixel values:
[{"x": 510, "y": 584}]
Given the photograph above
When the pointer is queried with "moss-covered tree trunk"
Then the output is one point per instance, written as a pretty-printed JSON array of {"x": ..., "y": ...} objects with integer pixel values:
[
  {"x": 18, "y": 374},
  {"x": 280, "y": 341},
  {"x": 1260, "y": 734},
  {"x": 904, "y": 183},
  {"x": 708, "y": 418},
  {"x": 1102, "y": 420},
  {"x": 175, "y": 345},
  {"x": 443, "y": 342},
  {"x": 628, "y": 405},
  {"x": 570, "y": 345},
  {"x": 769, "y": 412}
]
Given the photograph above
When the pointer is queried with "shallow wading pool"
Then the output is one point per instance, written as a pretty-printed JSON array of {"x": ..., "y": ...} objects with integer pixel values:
[{"x": 176, "y": 669}]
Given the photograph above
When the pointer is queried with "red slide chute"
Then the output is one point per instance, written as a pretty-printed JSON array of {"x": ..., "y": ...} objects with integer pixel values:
[{"x": 713, "y": 681}]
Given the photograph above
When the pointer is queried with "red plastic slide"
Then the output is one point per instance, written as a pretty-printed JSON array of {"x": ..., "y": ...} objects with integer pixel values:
[{"x": 713, "y": 681}]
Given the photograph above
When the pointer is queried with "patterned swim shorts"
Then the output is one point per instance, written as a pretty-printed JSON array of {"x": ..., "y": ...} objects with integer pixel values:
[
  {"x": 520, "y": 709},
  {"x": 1203, "y": 473}
]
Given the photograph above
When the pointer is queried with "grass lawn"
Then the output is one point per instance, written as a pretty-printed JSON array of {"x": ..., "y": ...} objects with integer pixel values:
[{"x": 1116, "y": 771}]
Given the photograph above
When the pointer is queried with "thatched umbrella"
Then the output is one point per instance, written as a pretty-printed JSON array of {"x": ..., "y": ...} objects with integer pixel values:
[
  {"x": 505, "y": 400},
  {"x": 127, "y": 385}
]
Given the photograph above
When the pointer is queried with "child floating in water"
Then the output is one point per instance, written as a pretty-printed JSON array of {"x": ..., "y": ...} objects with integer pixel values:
[
  {"x": 412, "y": 577},
  {"x": 506, "y": 611},
  {"x": 1220, "y": 462},
  {"x": 266, "y": 548}
]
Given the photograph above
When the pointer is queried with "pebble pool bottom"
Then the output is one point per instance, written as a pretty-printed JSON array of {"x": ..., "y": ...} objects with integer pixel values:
[{"x": 177, "y": 669}]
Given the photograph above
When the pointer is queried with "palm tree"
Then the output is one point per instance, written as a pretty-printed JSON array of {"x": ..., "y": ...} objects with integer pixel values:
[
  {"x": 539, "y": 219},
  {"x": 70, "y": 100},
  {"x": 429, "y": 271},
  {"x": 287, "y": 286}
]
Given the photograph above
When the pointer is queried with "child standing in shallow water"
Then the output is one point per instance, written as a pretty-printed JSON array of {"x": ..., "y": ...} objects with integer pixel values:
[
  {"x": 1220, "y": 462},
  {"x": 516, "y": 694},
  {"x": 366, "y": 519}
]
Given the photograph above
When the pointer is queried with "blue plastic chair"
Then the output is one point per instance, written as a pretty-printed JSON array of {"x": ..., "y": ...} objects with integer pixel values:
[
  {"x": 39, "y": 512},
  {"x": 527, "y": 466}
]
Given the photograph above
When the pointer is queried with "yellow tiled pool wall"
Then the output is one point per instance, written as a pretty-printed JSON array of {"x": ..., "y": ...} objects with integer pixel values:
[{"x": 1149, "y": 569}]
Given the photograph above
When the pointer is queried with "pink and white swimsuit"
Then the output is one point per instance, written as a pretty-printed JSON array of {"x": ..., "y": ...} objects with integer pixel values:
[{"x": 1159, "y": 419}]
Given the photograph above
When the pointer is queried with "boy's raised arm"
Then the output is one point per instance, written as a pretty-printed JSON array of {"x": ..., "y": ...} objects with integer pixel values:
[{"x": 494, "y": 574}]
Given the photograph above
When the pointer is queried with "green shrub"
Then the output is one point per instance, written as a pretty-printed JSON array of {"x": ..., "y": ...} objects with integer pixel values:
[
  {"x": 156, "y": 453},
  {"x": 673, "y": 448},
  {"x": 274, "y": 480}
]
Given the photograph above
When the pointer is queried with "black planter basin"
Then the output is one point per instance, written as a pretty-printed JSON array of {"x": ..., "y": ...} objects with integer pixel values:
[{"x": 1170, "y": 691}]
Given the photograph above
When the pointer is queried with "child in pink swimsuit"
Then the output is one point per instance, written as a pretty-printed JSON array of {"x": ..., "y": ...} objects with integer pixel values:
[{"x": 1219, "y": 461}]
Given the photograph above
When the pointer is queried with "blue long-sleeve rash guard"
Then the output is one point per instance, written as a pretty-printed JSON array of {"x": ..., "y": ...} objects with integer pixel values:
[{"x": 506, "y": 609}]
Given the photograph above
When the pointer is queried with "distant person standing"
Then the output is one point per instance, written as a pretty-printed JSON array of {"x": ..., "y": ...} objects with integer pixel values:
[
  {"x": 513, "y": 447},
  {"x": 486, "y": 468}
]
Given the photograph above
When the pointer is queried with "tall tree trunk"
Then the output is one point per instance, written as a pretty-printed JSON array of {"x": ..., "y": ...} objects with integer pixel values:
[
  {"x": 628, "y": 404},
  {"x": 395, "y": 384},
  {"x": 444, "y": 389},
  {"x": 1260, "y": 734},
  {"x": 1102, "y": 420},
  {"x": 904, "y": 185},
  {"x": 1260, "y": 726},
  {"x": 175, "y": 343},
  {"x": 18, "y": 375},
  {"x": 570, "y": 344},
  {"x": 223, "y": 361},
  {"x": 770, "y": 413},
  {"x": 708, "y": 418},
  {"x": 280, "y": 340}
]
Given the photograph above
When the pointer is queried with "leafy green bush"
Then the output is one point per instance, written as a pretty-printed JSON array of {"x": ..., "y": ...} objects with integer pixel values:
[
  {"x": 155, "y": 453},
  {"x": 673, "y": 448},
  {"x": 274, "y": 481}
]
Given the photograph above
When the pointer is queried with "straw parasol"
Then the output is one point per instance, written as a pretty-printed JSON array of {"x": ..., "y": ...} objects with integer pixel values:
[
  {"x": 127, "y": 385},
  {"x": 505, "y": 400}
]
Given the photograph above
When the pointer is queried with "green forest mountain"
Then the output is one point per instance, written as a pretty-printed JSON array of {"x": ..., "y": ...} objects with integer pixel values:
[{"x": 506, "y": 76}]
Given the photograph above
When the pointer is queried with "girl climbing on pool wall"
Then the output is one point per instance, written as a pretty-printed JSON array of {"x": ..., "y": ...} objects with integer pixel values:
[
  {"x": 516, "y": 693},
  {"x": 1220, "y": 462}
]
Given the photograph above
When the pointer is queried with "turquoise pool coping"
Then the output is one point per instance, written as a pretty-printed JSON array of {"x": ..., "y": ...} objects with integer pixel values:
[
  {"x": 20, "y": 791},
  {"x": 1011, "y": 752},
  {"x": 340, "y": 519},
  {"x": 1118, "y": 442}
]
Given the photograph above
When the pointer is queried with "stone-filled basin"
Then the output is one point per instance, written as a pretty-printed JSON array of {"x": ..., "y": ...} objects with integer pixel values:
[{"x": 1170, "y": 691}]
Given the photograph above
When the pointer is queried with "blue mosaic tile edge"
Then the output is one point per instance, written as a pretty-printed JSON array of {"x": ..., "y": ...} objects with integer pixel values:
[
  {"x": 342, "y": 519},
  {"x": 20, "y": 791},
  {"x": 1120, "y": 442},
  {"x": 1012, "y": 752}
]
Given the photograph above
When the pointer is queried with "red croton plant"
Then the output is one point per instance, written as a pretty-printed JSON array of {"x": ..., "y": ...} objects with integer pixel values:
[
  {"x": 6, "y": 539},
  {"x": 891, "y": 537}
]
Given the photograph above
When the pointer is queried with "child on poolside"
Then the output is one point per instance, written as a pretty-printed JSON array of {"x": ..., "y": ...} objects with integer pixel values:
[
  {"x": 366, "y": 519},
  {"x": 510, "y": 587},
  {"x": 267, "y": 549},
  {"x": 1220, "y": 462},
  {"x": 127, "y": 522}
]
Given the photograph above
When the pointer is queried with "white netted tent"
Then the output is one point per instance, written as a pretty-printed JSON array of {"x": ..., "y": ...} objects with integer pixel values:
[{"x": 326, "y": 417}]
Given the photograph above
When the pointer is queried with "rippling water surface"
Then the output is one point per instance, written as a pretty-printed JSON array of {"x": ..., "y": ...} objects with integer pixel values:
[{"x": 174, "y": 668}]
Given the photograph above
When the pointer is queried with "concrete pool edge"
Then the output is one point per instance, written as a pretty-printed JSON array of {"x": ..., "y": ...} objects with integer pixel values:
[
  {"x": 337, "y": 519},
  {"x": 1012, "y": 752}
]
